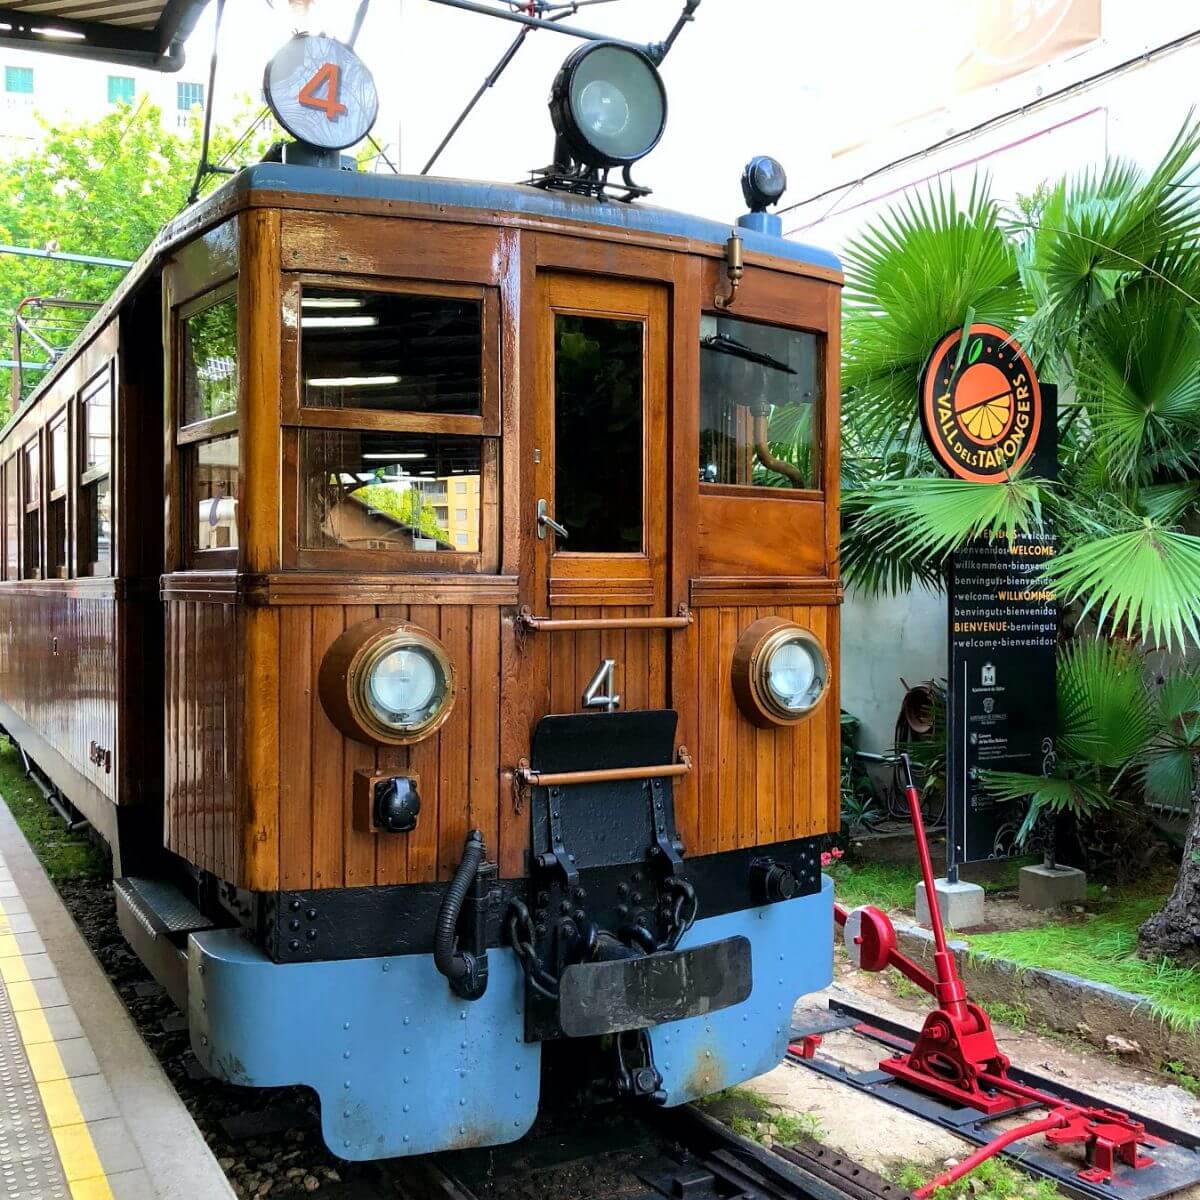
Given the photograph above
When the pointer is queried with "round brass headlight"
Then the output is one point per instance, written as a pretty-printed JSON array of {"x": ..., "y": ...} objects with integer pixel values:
[
  {"x": 780, "y": 672},
  {"x": 386, "y": 683}
]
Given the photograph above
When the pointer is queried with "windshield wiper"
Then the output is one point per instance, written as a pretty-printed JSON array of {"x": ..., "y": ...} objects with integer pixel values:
[{"x": 722, "y": 343}]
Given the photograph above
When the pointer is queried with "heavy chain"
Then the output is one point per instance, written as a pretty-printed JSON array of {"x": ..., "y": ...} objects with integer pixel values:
[
  {"x": 521, "y": 934},
  {"x": 684, "y": 910}
]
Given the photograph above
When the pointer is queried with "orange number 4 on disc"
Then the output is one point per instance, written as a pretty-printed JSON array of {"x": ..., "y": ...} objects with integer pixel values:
[{"x": 329, "y": 77}]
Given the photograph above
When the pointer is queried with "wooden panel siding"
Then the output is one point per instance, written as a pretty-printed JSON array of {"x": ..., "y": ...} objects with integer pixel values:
[
  {"x": 58, "y": 670},
  {"x": 754, "y": 786}
]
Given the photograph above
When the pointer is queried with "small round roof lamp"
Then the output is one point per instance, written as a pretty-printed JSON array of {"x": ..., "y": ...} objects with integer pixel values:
[
  {"x": 608, "y": 105},
  {"x": 763, "y": 182}
]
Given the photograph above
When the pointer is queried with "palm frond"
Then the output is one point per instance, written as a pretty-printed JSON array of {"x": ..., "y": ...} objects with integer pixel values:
[
  {"x": 1167, "y": 765},
  {"x": 1166, "y": 503},
  {"x": 1048, "y": 793},
  {"x": 1146, "y": 581},
  {"x": 924, "y": 520},
  {"x": 1139, "y": 376},
  {"x": 910, "y": 277},
  {"x": 1104, "y": 711}
]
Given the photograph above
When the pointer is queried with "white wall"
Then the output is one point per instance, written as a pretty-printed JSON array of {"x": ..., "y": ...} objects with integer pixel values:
[{"x": 882, "y": 642}]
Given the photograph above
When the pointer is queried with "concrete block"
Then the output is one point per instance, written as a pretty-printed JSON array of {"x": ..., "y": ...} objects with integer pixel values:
[
  {"x": 961, "y": 904},
  {"x": 1048, "y": 887}
]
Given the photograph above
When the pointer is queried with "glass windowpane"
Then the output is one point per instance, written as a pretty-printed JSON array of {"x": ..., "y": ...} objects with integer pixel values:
[
  {"x": 120, "y": 89},
  {"x": 598, "y": 402},
  {"x": 387, "y": 491},
  {"x": 33, "y": 493},
  {"x": 209, "y": 367},
  {"x": 97, "y": 428},
  {"x": 58, "y": 456},
  {"x": 18, "y": 79},
  {"x": 213, "y": 477},
  {"x": 12, "y": 520},
  {"x": 759, "y": 392},
  {"x": 96, "y": 529},
  {"x": 391, "y": 351}
]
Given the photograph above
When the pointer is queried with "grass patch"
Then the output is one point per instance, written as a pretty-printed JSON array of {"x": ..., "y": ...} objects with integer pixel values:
[
  {"x": 1011, "y": 1015},
  {"x": 758, "y": 1119},
  {"x": 1179, "y": 1074},
  {"x": 63, "y": 855},
  {"x": 886, "y": 885},
  {"x": 993, "y": 1179},
  {"x": 1104, "y": 949}
]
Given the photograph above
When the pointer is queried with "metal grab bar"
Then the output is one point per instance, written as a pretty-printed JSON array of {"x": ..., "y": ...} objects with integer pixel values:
[
  {"x": 527, "y": 775},
  {"x": 533, "y": 624}
]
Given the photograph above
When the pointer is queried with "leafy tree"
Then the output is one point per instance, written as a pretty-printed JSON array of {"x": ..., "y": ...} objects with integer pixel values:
[
  {"x": 105, "y": 188},
  {"x": 407, "y": 507},
  {"x": 1098, "y": 275}
]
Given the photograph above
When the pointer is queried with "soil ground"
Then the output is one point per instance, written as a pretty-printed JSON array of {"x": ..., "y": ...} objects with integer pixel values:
[{"x": 884, "y": 1138}]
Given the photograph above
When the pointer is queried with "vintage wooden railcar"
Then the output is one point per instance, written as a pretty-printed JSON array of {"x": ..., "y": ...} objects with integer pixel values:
[{"x": 521, "y": 442}]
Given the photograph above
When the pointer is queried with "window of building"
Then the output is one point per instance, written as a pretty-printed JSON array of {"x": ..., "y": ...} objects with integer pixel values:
[
  {"x": 760, "y": 391},
  {"x": 189, "y": 96},
  {"x": 379, "y": 371},
  {"x": 95, "y": 491},
  {"x": 19, "y": 80},
  {"x": 31, "y": 498},
  {"x": 12, "y": 521},
  {"x": 208, "y": 433},
  {"x": 598, "y": 401},
  {"x": 56, "y": 511},
  {"x": 120, "y": 89}
]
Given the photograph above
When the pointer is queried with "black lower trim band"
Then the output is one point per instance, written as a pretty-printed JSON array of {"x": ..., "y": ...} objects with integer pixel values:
[{"x": 372, "y": 922}]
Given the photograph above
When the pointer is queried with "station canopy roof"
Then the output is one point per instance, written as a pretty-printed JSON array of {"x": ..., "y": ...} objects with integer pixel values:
[{"x": 135, "y": 33}]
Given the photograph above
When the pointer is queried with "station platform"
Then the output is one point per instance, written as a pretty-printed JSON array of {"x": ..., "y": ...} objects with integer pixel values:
[{"x": 86, "y": 1112}]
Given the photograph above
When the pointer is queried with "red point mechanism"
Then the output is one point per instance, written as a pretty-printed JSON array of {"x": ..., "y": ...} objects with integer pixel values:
[{"x": 956, "y": 1057}]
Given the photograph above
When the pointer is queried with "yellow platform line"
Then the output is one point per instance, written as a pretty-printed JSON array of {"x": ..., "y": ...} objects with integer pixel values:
[{"x": 80, "y": 1159}]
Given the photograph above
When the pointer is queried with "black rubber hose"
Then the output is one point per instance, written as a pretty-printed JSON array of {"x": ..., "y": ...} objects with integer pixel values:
[{"x": 455, "y": 964}]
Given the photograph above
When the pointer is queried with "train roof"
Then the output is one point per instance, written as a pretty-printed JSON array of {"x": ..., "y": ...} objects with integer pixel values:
[
  {"x": 522, "y": 200},
  {"x": 423, "y": 191}
]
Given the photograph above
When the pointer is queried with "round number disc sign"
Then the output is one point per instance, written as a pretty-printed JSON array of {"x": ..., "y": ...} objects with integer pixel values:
[{"x": 321, "y": 92}]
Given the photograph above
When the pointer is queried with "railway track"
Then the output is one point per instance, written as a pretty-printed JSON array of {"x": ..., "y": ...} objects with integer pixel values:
[{"x": 680, "y": 1154}]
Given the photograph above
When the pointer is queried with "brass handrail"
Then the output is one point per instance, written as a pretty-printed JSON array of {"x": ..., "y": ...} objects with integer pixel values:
[
  {"x": 532, "y": 778},
  {"x": 533, "y": 624}
]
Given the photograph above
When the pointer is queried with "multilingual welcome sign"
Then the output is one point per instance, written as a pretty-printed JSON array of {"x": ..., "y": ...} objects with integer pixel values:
[{"x": 986, "y": 416}]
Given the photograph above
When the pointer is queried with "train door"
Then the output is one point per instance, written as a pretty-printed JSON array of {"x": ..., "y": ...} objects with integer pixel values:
[{"x": 602, "y": 491}]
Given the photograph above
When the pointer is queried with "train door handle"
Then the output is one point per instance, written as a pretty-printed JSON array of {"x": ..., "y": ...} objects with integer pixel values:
[{"x": 546, "y": 521}]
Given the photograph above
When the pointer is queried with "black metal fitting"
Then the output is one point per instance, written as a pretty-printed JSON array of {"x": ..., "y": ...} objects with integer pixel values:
[
  {"x": 466, "y": 971},
  {"x": 396, "y": 805},
  {"x": 771, "y": 882}
]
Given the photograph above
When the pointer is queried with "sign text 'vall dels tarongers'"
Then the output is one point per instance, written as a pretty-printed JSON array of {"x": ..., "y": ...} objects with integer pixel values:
[
  {"x": 986, "y": 417},
  {"x": 981, "y": 405}
]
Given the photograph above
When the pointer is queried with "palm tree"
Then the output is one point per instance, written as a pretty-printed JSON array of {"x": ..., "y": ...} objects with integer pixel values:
[{"x": 1098, "y": 275}]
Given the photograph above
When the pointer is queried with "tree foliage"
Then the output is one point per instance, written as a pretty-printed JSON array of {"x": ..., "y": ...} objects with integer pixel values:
[{"x": 104, "y": 188}]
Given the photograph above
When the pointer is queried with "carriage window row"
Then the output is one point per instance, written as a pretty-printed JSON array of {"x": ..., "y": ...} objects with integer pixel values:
[{"x": 40, "y": 520}]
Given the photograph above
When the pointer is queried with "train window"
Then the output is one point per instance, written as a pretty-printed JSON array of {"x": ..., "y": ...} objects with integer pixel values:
[
  {"x": 391, "y": 351},
  {"x": 209, "y": 376},
  {"x": 212, "y": 471},
  {"x": 95, "y": 493},
  {"x": 56, "y": 512},
  {"x": 31, "y": 496},
  {"x": 598, "y": 401},
  {"x": 387, "y": 491},
  {"x": 760, "y": 387},
  {"x": 12, "y": 520}
]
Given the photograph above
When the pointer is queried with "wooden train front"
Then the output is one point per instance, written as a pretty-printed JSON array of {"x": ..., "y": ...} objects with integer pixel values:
[{"x": 482, "y": 514}]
